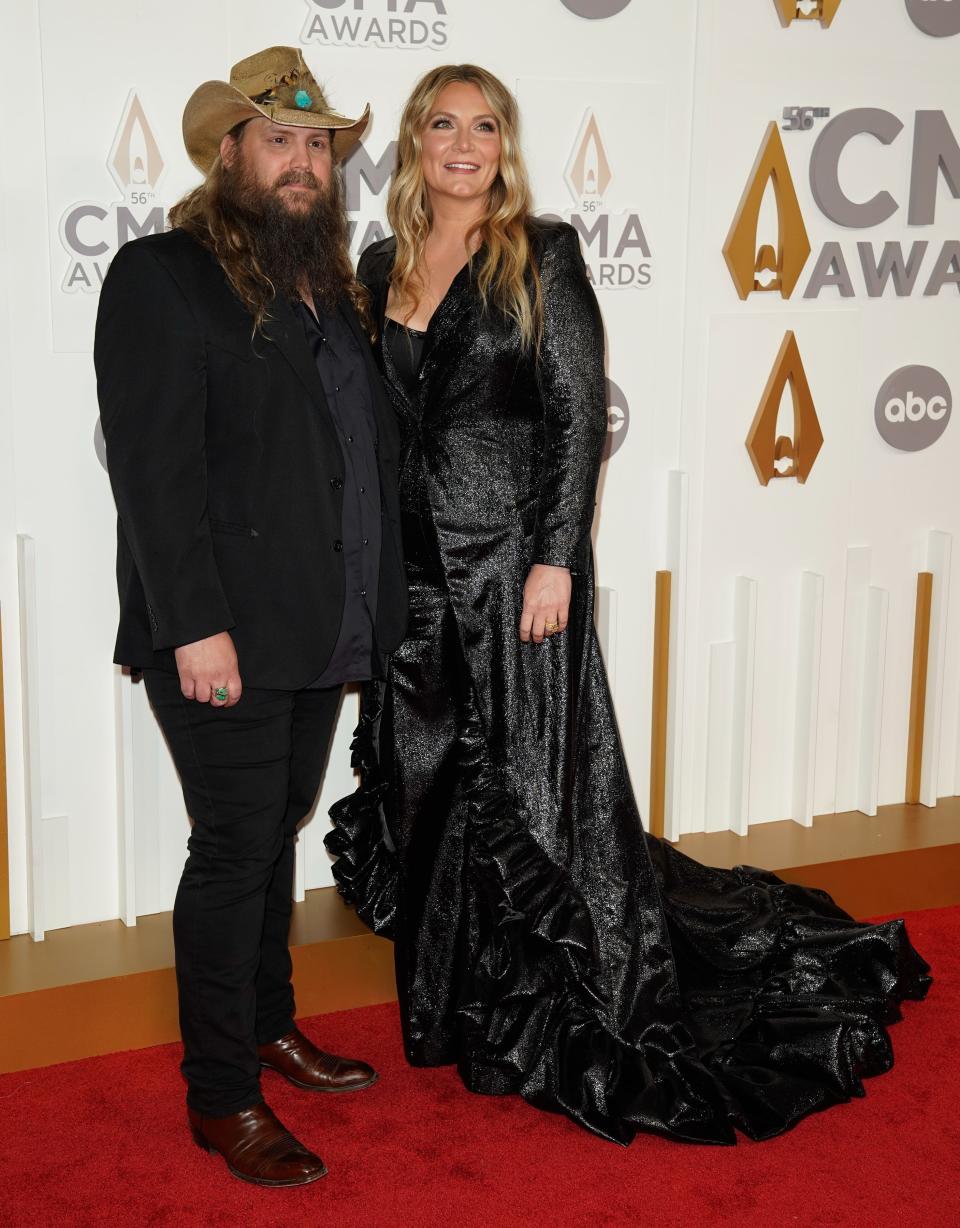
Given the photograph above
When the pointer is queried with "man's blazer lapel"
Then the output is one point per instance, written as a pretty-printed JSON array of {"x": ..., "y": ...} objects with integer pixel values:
[{"x": 286, "y": 332}]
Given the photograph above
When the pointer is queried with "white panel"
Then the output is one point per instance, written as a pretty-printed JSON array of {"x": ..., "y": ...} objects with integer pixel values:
[
  {"x": 741, "y": 717},
  {"x": 338, "y": 782},
  {"x": 30, "y": 691},
  {"x": 676, "y": 564},
  {"x": 55, "y": 871},
  {"x": 299, "y": 872},
  {"x": 871, "y": 698},
  {"x": 126, "y": 833},
  {"x": 606, "y": 621},
  {"x": 939, "y": 547},
  {"x": 719, "y": 736},
  {"x": 689, "y": 358},
  {"x": 849, "y": 731},
  {"x": 807, "y": 696},
  {"x": 152, "y": 891}
]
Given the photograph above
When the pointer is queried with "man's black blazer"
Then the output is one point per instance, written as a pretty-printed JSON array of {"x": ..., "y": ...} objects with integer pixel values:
[{"x": 227, "y": 471}]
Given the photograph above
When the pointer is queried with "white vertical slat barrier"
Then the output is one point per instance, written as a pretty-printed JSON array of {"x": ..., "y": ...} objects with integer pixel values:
[
  {"x": 871, "y": 698},
  {"x": 807, "y": 696},
  {"x": 606, "y": 621},
  {"x": 55, "y": 871},
  {"x": 126, "y": 836},
  {"x": 676, "y": 564},
  {"x": 730, "y": 717},
  {"x": 300, "y": 869},
  {"x": 939, "y": 547},
  {"x": 720, "y": 751},
  {"x": 152, "y": 891},
  {"x": 30, "y": 690},
  {"x": 852, "y": 677},
  {"x": 745, "y": 642}
]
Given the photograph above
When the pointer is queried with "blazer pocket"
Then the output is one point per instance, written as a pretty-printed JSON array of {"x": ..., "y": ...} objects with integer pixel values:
[{"x": 231, "y": 527}]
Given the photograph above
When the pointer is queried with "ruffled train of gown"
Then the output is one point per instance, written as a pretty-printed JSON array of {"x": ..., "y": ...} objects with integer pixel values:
[{"x": 759, "y": 1001}]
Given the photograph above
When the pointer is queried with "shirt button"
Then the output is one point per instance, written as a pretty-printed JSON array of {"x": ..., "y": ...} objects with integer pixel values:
[
  {"x": 336, "y": 388},
  {"x": 363, "y": 592},
  {"x": 338, "y": 545},
  {"x": 336, "y": 483},
  {"x": 366, "y": 541},
  {"x": 363, "y": 490},
  {"x": 349, "y": 439}
]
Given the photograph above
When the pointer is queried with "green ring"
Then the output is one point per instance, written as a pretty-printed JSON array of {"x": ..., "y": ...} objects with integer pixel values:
[{"x": 221, "y": 693}]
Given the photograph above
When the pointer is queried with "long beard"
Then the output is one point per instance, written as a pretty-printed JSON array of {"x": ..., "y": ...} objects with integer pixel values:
[{"x": 298, "y": 247}]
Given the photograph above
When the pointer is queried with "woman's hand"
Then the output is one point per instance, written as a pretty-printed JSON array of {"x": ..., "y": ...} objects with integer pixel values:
[
  {"x": 546, "y": 602},
  {"x": 207, "y": 666}
]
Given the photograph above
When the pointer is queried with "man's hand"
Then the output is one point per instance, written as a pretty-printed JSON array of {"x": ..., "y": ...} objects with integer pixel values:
[
  {"x": 546, "y": 602},
  {"x": 208, "y": 665}
]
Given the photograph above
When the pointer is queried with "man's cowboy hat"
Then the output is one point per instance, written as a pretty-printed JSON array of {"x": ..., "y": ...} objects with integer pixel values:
[{"x": 275, "y": 83}]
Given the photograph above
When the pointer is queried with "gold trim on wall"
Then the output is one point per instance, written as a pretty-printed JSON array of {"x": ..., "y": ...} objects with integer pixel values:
[
  {"x": 4, "y": 828},
  {"x": 661, "y": 691},
  {"x": 918, "y": 687}
]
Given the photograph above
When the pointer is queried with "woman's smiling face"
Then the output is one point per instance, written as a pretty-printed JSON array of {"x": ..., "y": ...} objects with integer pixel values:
[{"x": 460, "y": 143}]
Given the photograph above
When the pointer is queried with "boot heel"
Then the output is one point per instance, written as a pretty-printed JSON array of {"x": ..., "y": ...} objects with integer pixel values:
[{"x": 199, "y": 1139}]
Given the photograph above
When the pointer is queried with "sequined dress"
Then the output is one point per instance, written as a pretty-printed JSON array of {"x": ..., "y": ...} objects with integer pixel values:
[{"x": 544, "y": 943}]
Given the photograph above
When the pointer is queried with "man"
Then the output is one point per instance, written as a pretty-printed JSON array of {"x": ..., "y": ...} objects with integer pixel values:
[{"x": 252, "y": 454}]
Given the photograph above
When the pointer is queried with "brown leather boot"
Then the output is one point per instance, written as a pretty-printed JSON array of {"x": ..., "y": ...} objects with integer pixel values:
[
  {"x": 256, "y": 1147},
  {"x": 304, "y": 1065}
]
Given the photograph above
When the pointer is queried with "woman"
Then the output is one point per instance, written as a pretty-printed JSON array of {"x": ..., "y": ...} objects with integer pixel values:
[{"x": 543, "y": 942}]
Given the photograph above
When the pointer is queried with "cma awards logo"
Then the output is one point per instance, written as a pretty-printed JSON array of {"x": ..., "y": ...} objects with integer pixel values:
[
  {"x": 823, "y": 11},
  {"x": 788, "y": 449},
  {"x": 360, "y": 170},
  {"x": 401, "y": 24},
  {"x": 768, "y": 264},
  {"x": 91, "y": 232},
  {"x": 615, "y": 245}
]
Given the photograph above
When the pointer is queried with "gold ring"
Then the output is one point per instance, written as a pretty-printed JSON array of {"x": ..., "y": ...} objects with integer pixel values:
[{"x": 551, "y": 626}]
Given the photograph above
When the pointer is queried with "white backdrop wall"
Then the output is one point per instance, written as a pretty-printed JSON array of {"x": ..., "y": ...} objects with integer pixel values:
[{"x": 642, "y": 126}]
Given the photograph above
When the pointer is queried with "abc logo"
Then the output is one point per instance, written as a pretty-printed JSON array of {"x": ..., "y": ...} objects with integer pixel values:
[
  {"x": 618, "y": 419},
  {"x": 596, "y": 10},
  {"x": 941, "y": 18},
  {"x": 913, "y": 408}
]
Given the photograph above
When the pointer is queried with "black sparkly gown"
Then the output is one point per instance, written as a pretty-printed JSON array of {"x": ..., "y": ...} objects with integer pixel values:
[{"x": 544, "y": 943}]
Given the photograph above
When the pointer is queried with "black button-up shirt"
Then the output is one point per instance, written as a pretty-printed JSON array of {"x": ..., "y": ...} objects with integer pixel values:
[{"x": 343, "y": 373}]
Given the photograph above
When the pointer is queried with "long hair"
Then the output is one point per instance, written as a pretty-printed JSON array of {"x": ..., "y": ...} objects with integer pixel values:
[
  {"x": 202, "y": 215},
  {"x": 507, "y": 260}
]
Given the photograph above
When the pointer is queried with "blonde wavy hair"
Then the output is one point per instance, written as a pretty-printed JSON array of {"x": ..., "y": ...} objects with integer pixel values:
[{"x": 504, "y": 259}]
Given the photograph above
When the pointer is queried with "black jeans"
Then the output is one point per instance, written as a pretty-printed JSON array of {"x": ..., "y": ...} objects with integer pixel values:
[{"x": 250, "y": 774}]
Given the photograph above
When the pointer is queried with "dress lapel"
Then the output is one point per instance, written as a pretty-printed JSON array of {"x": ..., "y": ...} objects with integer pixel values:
[{"x": 438, "y": 352}]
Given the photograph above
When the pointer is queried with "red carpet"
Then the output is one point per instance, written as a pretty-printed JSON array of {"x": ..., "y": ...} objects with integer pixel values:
[{"x": 103, "y": 1142}]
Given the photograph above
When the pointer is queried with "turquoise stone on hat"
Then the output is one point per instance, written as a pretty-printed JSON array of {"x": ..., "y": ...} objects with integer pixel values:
[{"x": 302, "y": 99}]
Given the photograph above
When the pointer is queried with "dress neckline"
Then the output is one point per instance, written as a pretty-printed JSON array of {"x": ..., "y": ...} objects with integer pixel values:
[
  {"x": 464, "y": 268},
  {"x": 414, "y": 332}
]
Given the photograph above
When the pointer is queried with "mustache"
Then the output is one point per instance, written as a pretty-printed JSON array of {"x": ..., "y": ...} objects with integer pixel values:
[{"x": 305, "y": 179}]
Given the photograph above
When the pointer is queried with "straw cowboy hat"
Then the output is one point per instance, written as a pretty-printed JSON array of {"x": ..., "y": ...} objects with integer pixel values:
[{"x": 275, "y": 83}]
